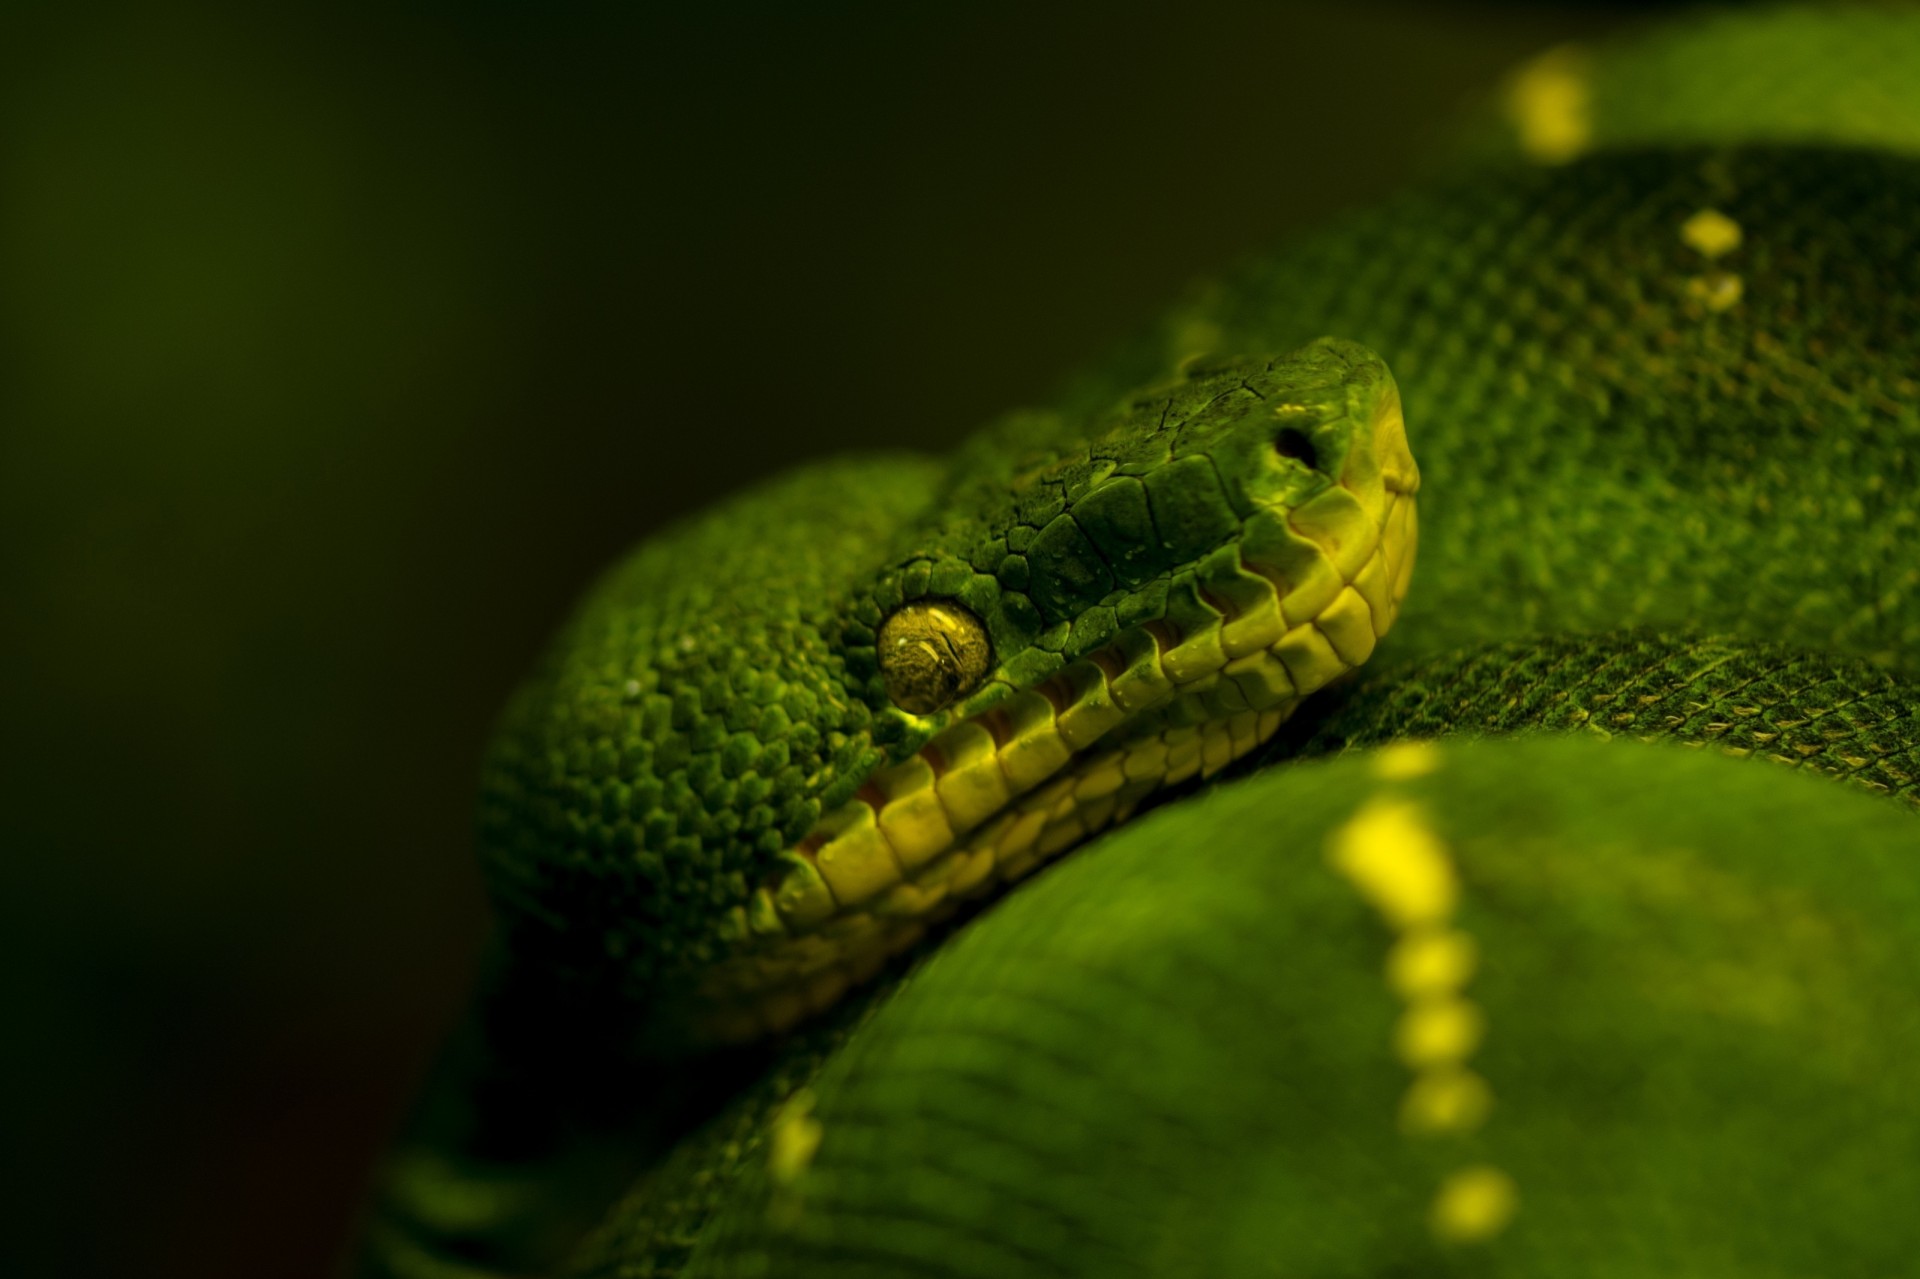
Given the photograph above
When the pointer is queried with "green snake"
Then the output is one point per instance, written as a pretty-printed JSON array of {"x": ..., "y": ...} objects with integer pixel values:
[{"x": 1386, "y": 926}]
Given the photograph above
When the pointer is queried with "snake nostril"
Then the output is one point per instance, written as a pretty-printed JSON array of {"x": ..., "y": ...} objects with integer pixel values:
[{"x": 1294, "y": 444}]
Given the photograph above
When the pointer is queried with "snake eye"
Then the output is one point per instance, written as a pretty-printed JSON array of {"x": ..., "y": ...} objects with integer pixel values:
[
  {"x": 931, "y": 652},
  {"x": 1294, "y": 443}
]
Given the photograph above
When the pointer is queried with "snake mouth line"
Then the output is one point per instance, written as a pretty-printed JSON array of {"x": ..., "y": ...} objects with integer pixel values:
[{"x": 990, "y": 798}]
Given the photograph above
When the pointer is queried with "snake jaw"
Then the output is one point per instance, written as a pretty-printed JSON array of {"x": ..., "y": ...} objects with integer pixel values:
[{"x": 998, "y": 793}]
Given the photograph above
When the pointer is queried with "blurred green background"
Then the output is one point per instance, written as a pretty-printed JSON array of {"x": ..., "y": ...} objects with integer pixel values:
[{"x": 340, "y": 345}]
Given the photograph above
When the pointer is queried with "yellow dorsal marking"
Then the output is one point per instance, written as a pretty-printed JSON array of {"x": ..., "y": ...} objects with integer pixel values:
[
  {"x": 1438, "y": 1032},
  {"x": 1430, "y": 962},
  {"x": 1473, "y": 1203},
  {"x": 1405, "y": 760},
  {"x": 1717, "y": 291},
  {"x": 1711, "y": 233},
  {"x": 1446, "y": 1100},
  {"x": 1397, "y": 862},
  {"x": 1550, "y": 102}
]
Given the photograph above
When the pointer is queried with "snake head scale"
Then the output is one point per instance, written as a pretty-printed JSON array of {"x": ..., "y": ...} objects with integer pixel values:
[{"x": 783, "y": 739}]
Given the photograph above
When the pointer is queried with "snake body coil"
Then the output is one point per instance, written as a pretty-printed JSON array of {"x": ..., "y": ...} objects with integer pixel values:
[{"x": 1523, "y": 1005}]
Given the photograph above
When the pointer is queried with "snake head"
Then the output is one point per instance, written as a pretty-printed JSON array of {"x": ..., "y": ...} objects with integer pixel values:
[{"x": 782, "y": 740}]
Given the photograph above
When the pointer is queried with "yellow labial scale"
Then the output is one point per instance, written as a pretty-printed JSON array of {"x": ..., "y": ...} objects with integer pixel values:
[
  {"x": 1014, "y": 869},
  {"x": 1245, "y": 731},
  {"x": 1145, "y": 761},
  {"x": 1048, "y": 796},
  {"x": 1309, "y": 658},
  {"x": 1335, "y": 521},
  {"x": 801, "y": 896},
  {"x": 1257, "y": 627},
  {"x": 1036, "y": 750},
  {"x": 1348, "y": 626},
  {"x": 1096, "y": 813},
  {"x": 1132, "y": 791},
  {"x": 1019, "y": 835},
  {"x": 1216, "y": 750},
  {"x": 856, "y": 861},
  {"x": 1270, "y": 721},
  {"x": 972, "y": 870},
  {"x": 1312, "y": 590},
  {"x": 1059, "y": 835},
  {"x": 1263, "y": 682},
  {"x": 1439, "y": 1031},
  {"x": 972, "y": 788},
  {"x": 1190, "y": 706},
  {"x": 1142, "y": 682},
  {"x": 1431, "y": 962},
  {"x": 1375, "y": 589},
  {"x": 1445, "y": 1101},
  {"x": 1195, "y": 657},
  {"x": 1055, "y": 839},
  {"x": 909, "y": 901},
  {"x": 763, "y": 916},
  {"x": 1183, "y": 754},
  {"x": 851, "y": 929},
  {"x": 1224, "y": 697},
  {"x": 1179, "y": 734},
  {"x": 1397, "y": 862},
  {"x": 1407, "y": 512},
  {"x": 1100, "y": 778},
  {"x": 937, "y": 872},
  {"x": 1473, "y": 1203},
  {"x": 916, "y": 825},
  {"x": 1093, "y": 711},
  {"x": 897, "y": 781}
]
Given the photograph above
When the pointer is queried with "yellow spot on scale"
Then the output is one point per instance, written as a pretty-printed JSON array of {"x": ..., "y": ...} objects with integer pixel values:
[
  {"x": 1438, "y": 1032},
  {"x": 1717, "y": 291},
  {"x": 1473, "y": 1203},
  {"x": 1711, "y": 232},
  {"x": 793, "y": 1140},
  {"x": 1451, "y": 1100},
  {"x": 1550, "y": 102},
  {"x": 1397, "y": 862},
  {"x": 1431, "y": 962},
  {"x": 1405, "y": 760}
]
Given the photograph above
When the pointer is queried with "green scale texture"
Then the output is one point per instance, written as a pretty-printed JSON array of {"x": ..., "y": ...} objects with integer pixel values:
[
  {"x": 1844, "y": 717},
  {"x": 719, "y": 689},
  {"x": 1700, "y": 1042},
  {"x": 1651, "y": 509},
  {"x": 1600, "y": 449},
  {"x": 1738, "y": 699}
]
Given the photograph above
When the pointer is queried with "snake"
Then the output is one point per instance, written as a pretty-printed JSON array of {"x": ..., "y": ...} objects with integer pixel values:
[{"x": 1410, "y": 766}]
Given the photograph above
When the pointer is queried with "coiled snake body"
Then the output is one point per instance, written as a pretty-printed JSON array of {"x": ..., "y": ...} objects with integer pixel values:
[{"x": 1550, "y": 995}]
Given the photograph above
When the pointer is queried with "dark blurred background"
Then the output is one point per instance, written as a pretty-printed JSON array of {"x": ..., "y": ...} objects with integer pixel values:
[{"x": 340, "y": 345}]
